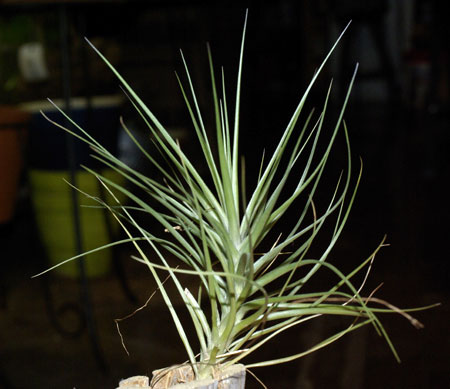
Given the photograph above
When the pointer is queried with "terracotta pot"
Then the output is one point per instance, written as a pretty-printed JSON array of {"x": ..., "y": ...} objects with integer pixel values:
[
  {"x": 13, "y": 124},
  {"x": 232, "y": 377}
]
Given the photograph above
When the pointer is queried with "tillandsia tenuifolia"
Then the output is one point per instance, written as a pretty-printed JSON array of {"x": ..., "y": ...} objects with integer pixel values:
[{"x": 215, "y": 228}]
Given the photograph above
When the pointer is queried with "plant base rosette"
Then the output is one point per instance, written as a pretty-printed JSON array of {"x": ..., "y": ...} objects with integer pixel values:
[{"x": 182, "y": 377}]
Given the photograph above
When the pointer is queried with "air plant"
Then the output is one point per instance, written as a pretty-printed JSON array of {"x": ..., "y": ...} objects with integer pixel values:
[{"x": 215, "y": 228}]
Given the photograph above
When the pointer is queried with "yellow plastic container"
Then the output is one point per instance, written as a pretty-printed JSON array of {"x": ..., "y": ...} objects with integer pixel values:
[{"x": 52, "y": 202}]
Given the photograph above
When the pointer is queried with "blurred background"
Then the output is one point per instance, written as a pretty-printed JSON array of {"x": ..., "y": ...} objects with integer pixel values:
[{"x": 59, "y": 331}]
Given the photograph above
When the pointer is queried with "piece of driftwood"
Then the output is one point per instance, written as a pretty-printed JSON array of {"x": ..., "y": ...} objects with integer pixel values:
[
  {"x": 139, "y": 381},
  {"x": 181, "y": 377}
]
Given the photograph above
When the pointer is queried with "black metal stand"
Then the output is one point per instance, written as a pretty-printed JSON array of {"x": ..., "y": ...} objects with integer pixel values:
[
  {"x": 83, "y": 310},
  {"x": 85, "y": 294}
]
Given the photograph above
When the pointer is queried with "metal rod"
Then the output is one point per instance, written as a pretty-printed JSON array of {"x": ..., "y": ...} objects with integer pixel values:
[{"x": 71, "y": 154}]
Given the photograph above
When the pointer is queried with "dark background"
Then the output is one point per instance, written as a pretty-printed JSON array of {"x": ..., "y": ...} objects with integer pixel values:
[{"x": 398, "y": 123}]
